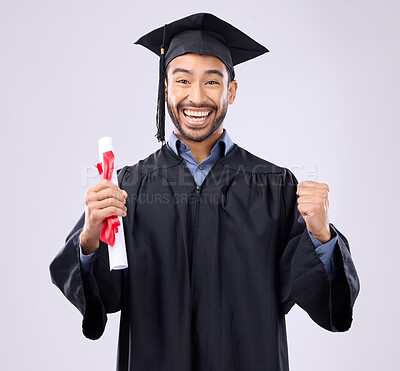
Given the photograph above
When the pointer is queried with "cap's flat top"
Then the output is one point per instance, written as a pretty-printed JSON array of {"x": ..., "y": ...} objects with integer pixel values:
[{"x": 241, "y": 46}]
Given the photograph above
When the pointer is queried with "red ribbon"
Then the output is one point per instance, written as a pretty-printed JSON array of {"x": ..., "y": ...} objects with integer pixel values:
[{"x": 111, "y": 224}]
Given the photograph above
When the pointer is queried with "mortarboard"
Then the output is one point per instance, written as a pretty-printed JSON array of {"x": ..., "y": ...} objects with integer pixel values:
[{"x": 203, "y": 34}]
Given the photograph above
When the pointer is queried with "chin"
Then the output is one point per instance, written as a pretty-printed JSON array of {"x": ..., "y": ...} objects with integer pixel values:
[{"x": 197, "y": 134}]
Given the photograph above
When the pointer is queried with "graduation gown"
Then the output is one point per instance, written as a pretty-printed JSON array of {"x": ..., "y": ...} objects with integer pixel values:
[{"x": 212, "y": 271}]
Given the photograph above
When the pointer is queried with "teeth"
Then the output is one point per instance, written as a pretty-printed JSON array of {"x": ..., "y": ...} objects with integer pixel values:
[
  {"x": 196, "y": 113},
  {"x": 198, "y": 119}
]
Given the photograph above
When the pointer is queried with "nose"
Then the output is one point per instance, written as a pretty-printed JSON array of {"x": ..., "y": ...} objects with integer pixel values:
[{"x": 197, "y": 94}]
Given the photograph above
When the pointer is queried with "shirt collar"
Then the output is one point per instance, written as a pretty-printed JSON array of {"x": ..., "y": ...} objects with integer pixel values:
[{"x": 180, "y": 147}]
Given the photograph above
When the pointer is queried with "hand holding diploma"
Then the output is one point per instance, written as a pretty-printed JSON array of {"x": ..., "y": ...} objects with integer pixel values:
[
  {"x": 103, "y": 200},
  {"x": 105, "y": 207}
]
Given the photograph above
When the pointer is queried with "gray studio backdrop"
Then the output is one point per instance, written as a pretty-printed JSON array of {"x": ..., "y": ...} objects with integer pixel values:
[{"x": 324, "y": 103}]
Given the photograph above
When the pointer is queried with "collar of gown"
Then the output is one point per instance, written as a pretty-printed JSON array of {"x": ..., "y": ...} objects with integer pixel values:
[{"x": 179, "y": 147}]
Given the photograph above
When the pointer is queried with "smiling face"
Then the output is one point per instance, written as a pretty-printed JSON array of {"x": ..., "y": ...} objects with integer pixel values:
[{"x": 198, "y": 92}]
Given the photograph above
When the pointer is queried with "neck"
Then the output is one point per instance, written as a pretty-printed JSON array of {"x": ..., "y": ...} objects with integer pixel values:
[{"x": 201, "y": 150}]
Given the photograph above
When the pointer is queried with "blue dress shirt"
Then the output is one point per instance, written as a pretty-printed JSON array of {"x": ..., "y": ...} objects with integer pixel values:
[{"x": 200, "y": 170}]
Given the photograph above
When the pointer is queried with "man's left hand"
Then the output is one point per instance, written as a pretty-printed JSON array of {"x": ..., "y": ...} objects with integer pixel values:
[{"x": 313, "y": 204}]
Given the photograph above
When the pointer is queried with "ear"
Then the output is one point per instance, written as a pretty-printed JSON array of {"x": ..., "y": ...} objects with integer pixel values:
[
  {"x": 232, "y": 89},
  {"x": 166, "y": 91}
]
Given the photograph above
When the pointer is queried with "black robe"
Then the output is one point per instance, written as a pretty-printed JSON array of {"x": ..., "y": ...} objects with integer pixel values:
[{"x": 212, "y": 269}]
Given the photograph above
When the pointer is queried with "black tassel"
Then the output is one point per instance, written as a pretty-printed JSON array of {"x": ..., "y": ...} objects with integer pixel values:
[{"x": 160, "y": 118}]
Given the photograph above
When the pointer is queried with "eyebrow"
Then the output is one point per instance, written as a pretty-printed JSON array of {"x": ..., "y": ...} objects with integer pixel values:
[
  {"x": 208, "y": 72},
  {"x": 215, "y": 72}
]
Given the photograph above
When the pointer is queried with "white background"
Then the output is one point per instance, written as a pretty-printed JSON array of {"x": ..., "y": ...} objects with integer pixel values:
[{"x": 324, "y": 102}]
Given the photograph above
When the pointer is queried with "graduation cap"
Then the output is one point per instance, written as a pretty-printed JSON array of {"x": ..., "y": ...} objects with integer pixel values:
[{"x": 203, "y": 34}]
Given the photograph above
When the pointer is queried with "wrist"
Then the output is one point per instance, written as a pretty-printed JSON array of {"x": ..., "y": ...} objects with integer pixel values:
[
  {"x": 323, "y": 236},
  {"x": 89, "y": 245}
]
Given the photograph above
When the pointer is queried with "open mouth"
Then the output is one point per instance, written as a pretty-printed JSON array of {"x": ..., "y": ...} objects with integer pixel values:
[{"x": 196, "y": 117}]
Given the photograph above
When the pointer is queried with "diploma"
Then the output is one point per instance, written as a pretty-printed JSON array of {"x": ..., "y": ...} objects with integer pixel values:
[{"x": 117, "y": 253}]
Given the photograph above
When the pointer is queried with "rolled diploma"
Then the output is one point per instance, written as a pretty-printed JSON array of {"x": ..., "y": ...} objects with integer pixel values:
[{"x": 117, "y": 253}]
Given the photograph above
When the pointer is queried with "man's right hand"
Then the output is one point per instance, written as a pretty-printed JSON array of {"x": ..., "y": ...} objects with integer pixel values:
[{"x": 103, "y": 200}]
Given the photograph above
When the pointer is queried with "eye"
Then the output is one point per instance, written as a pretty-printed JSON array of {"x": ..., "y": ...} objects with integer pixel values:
[
  {"x": 212, "y": 82},
  {"x": 183, "y": 81}
]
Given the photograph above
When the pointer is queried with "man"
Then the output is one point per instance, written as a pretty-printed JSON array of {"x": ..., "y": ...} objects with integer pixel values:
[{"x": 221, "y": 244}]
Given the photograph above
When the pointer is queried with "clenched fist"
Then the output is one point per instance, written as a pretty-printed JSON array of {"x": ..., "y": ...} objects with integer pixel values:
[
  {"x": 313, "y": 204},
  {"x": 103, "y": 200}
]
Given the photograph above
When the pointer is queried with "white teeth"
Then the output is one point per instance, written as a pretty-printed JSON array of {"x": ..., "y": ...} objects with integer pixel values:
[{"x": 196, "y": 113}]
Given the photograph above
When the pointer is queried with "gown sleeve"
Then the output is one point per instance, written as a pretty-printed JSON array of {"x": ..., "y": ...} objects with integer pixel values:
[
  {"x": 95, "y": 293},
  {"x": 303, "y": 277}
]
